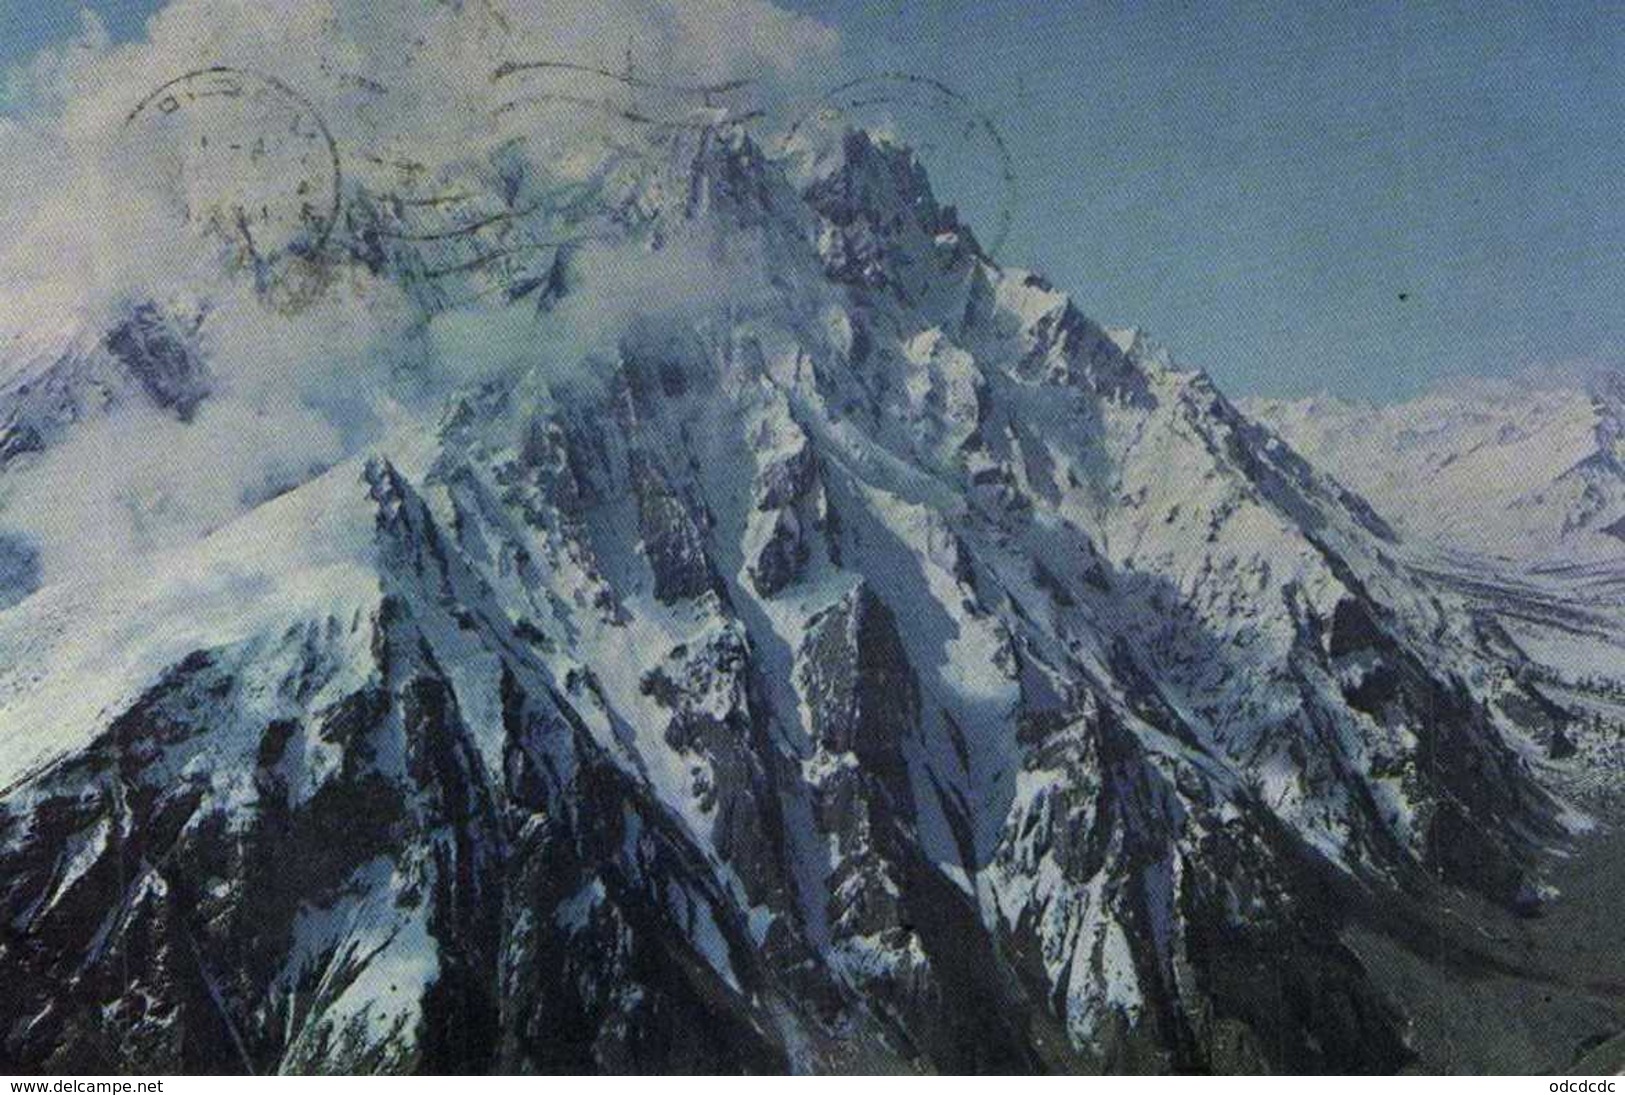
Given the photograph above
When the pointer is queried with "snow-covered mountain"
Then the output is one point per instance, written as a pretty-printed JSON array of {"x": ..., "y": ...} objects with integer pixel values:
[
  {"x": 900, "y": 641},
  {"x": 1532, "y": 470},
  {"x": 860, "y": 661}
]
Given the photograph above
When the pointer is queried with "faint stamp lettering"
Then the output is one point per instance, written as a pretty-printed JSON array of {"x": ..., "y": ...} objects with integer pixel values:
[{"x": 248, "y": 159}]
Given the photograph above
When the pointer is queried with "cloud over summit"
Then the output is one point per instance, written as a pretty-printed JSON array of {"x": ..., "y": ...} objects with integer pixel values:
[{"x": 91, "y": 227}]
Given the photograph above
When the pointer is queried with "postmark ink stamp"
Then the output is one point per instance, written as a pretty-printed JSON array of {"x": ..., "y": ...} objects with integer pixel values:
[{"x": 248, "y": 159}]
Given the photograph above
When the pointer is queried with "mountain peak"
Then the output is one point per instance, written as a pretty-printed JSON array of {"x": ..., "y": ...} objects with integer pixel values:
[{"x": 712, "y": 617}]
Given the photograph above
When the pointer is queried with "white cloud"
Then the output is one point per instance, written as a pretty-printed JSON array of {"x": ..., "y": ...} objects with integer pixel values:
[{"x": 91, "y": 225}]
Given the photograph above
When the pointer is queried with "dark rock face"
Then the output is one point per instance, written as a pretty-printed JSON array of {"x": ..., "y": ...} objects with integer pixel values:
[
  {"x": 19, "y": 571},
  {"x": 1352, "y": 630},
  {"x": 672, "y": 542},
  {"x": 783, "y": 558},
  {"x": 716, "y": 720},
  {"x": 17, "y": 439},
  {"x": 158, "y": 353},
  {"x": 864, "y": 703},
  {"x": 594, "y": 980},
  {"x": 863, "y": 694},
  {"x": 787, "y": 479}
]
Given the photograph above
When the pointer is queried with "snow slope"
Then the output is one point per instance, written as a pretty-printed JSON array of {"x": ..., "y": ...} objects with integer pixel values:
[{"x": 1524, "y": 470}]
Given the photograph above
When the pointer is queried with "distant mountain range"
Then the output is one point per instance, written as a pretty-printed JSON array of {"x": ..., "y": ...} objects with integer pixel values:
[{"x": 1530, "y": 470}]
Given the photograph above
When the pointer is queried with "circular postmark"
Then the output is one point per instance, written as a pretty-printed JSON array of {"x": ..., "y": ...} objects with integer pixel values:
[
  {"x": 960, "y": 145},
  {"x": 248, "y": 159}
]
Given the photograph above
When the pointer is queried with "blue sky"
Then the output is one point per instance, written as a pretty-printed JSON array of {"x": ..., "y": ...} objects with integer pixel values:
[
  {"x": 26, "y": 25},
  {"x": 1360, "y": 198}
]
